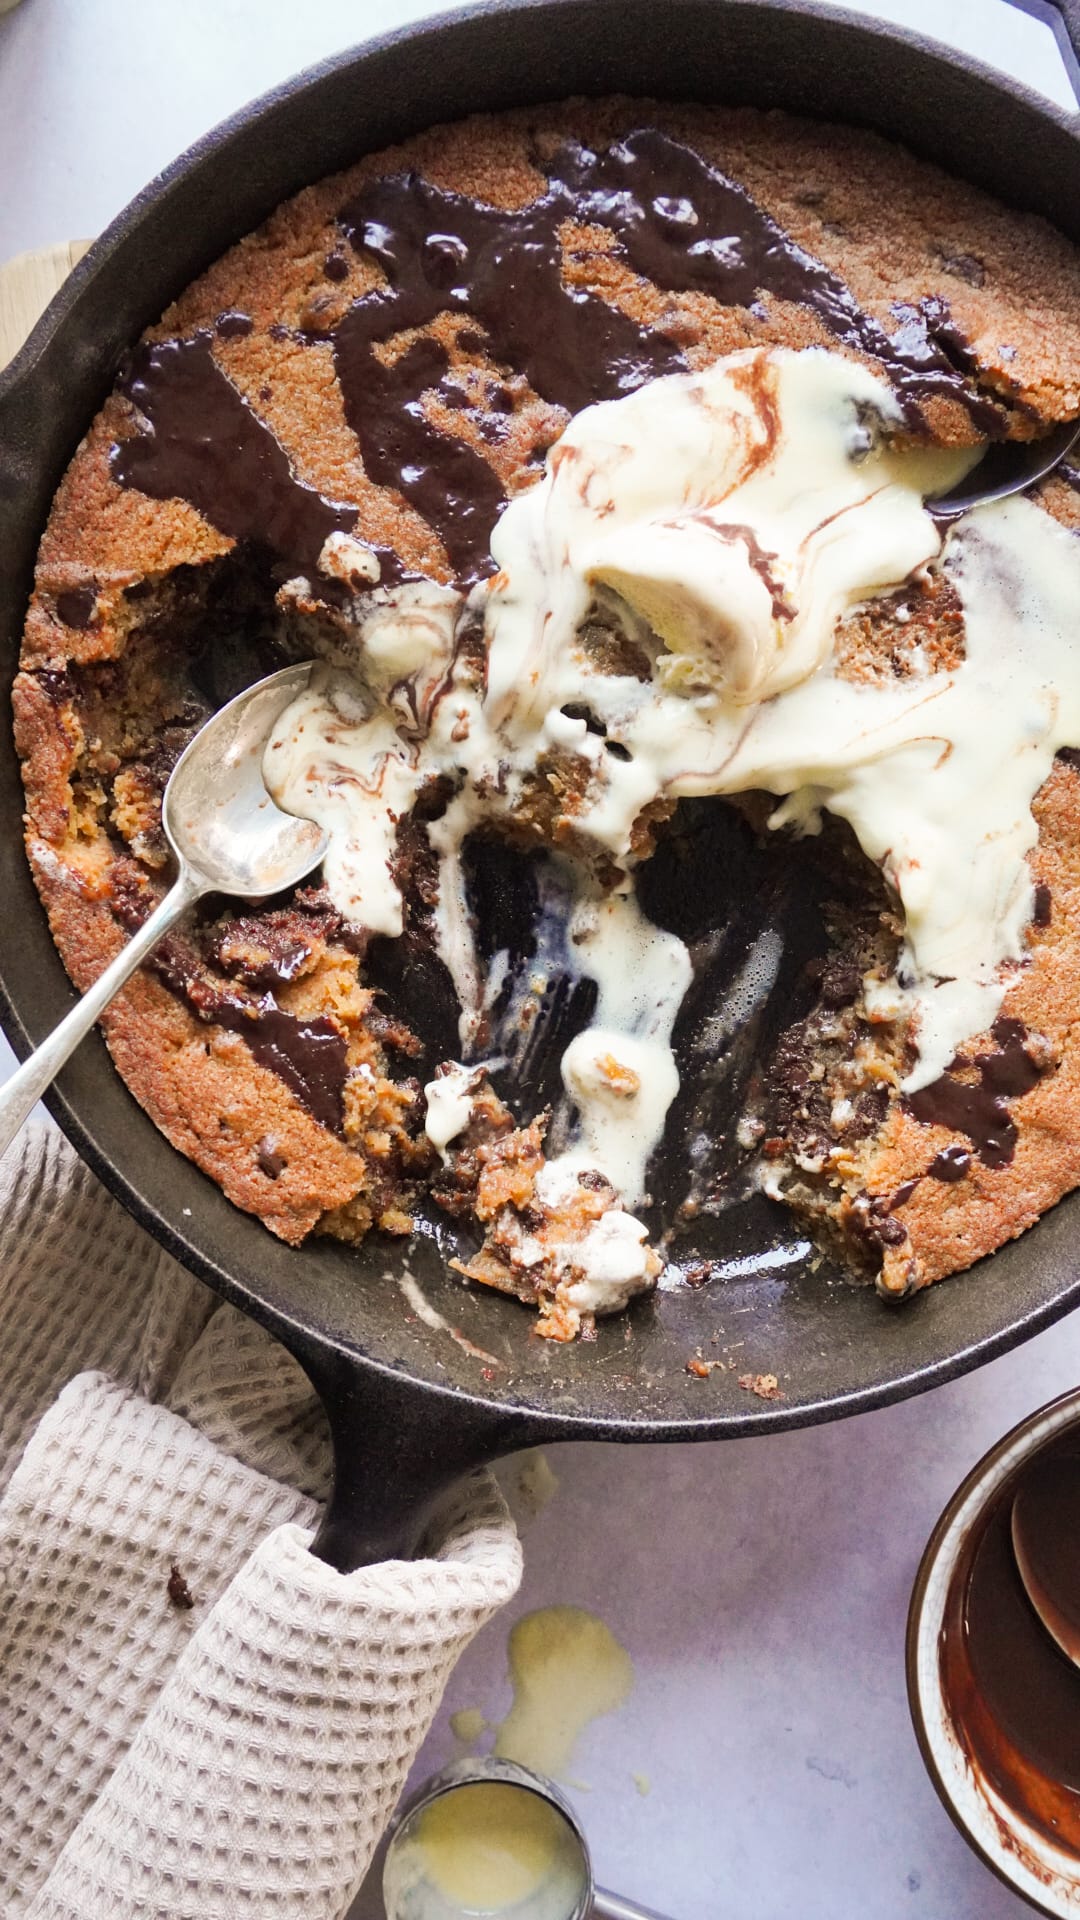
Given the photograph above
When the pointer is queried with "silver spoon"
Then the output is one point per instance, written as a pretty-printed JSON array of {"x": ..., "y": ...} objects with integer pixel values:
[
  {"x": 1045, "y": 1526},
  {"x": 1008, "y": 466},
  {"x": 429, "y": 1874},
  {"x": 228, "y": 837}
]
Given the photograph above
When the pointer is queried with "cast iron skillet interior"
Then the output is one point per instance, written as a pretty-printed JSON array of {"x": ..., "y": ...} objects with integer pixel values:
[{"x": 409, "y": 1405}]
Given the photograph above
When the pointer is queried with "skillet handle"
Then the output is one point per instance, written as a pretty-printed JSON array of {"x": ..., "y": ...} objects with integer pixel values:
[
  {"x": 1063, "y": 19},
  {"x": 397, "y": 1449}
]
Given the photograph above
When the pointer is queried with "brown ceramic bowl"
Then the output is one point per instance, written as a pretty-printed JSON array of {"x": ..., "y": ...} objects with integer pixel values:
[{"x": 1045, "y": 1875}]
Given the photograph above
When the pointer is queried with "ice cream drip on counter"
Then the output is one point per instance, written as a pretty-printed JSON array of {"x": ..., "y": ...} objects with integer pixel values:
[
  {"x": 567, "y": 1669},
  {"x": 717, "y": 525}
]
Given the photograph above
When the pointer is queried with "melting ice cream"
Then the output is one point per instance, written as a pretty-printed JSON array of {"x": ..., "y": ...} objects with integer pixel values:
[{"x": 724, "y": 521}]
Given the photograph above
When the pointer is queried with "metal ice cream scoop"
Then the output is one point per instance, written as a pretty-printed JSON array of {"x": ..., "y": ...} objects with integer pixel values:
[
  {"x": 228, "y": 837},
  {"x": 491, "y": 1840}
]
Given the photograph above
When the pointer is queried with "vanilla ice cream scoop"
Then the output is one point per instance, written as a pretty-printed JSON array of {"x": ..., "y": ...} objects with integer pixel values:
[{"x": 739, "y": 513}]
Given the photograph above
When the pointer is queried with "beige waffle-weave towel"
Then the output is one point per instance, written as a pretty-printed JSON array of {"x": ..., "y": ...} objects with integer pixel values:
[{"x": 241, "y": 1756}]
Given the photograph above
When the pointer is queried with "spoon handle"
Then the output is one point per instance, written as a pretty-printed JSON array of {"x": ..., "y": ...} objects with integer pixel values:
[
  {"x": 25, "y": 1088},
  {"x": 611, "y": 1906}
]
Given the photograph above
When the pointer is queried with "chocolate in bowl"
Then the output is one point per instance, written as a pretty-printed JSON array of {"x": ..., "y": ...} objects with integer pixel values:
[{"x": 996, "y": 1704}]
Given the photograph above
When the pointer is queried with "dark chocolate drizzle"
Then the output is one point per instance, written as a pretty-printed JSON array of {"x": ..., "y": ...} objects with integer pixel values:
[
  {"x": 688, "y": 228},
  {"x": 762, "y": 563},
  {"x": 446, "y": 480},
  {"x": 203, "y": 443},
  {"x": 678, "y": 221},
  {"x": 979, "y": 1108},
  {"x": 309, "y": 1053}
]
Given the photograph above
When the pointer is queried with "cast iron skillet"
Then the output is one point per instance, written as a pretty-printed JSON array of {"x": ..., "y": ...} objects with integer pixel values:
[{"x": 409, "y": 1406}]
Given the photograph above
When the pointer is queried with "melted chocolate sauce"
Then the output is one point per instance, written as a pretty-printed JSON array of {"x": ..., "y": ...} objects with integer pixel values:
[
  {"x": 446, "y": 480},
  {"x": 77, "y": 607},
  {"x": 1011, "y": 1071},
  {"x": 762, "y": 564},
  {"x": 979, "y": 1109},
  {"x": 678, "y": 220},
  {"x": 1046, "y": 1541},
  {"x": 264, "y": 950},
  {"x": 1014, "y": 1697},
  {"x": 309, "y": 1053},
  {"x": 204, "y": 444},
  {"x": 687, "y": 227}
]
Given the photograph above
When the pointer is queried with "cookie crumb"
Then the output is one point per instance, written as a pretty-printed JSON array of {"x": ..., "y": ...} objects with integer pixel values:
[
  {"x": 177, "y": 1588},
  {"x": 765, "y": 1385}
]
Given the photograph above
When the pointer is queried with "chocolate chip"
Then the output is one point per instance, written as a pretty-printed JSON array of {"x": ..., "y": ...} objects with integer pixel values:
[
  {"x": 270, "y": 1161},
  {"x": 77, "y": 606},
  {"x": 233, "y": 325}
]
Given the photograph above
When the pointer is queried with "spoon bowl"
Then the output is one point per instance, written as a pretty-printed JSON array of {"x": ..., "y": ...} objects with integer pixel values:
[
  {"x": 1007, "y": 467},
  {"x": 1045, "y": 1528},
  {"x": 219, "y": 818}
]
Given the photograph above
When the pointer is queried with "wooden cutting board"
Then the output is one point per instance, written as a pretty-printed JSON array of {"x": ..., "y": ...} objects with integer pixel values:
[{"x": 27, "y": 284}]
